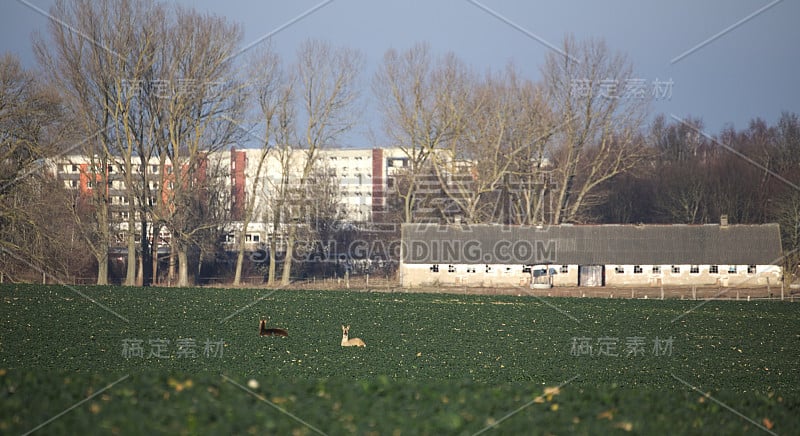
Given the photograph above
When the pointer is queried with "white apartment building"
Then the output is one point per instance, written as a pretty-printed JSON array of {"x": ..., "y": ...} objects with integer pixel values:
[{"x": 361, "y": 177}]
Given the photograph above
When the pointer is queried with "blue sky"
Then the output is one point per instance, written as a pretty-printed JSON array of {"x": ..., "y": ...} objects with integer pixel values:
[{"x": 747, "y": 66}]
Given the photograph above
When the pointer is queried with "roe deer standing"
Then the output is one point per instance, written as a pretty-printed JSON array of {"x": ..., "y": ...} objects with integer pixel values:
[
  {"x": 355, "y": 342},
  {"x": 264, "y": 331}
]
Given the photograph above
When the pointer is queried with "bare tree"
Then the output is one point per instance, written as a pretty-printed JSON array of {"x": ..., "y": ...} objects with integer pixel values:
[
  {"x": 273, "y": 92},
  {"x": 593, "y": 95},
  {"x": 524, "y": 194},
  {"x": 128, "y": 63},
  {"x": 76, "y": 62},
  {"x": 199, "y": 97},
  {"x": 479, "y": 168},
  {"x": 32, "y": 218},
  {"x": 327, "y": 93},
  {"x": 416, "y": 96}
]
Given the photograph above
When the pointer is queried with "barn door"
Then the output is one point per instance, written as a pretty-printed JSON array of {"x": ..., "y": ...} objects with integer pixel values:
[{"x": 591, "y": 275}]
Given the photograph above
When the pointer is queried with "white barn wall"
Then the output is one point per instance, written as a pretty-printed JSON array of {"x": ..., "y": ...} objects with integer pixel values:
[{"x": 415, "y": 275}]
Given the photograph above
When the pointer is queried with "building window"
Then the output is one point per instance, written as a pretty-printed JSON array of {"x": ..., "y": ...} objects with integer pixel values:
[
  {"x": 637, "y": 269},
  {"x": 751, "y": 269},
  {"x": 451, "y": 268},
  {"x": 676, "y": 269},
  {"x": 564, "y": 269},
  {"x": 488, "y": 269},
  {"x": 252, "y": 237},
  {"x": 526, "y": 269},
  {"x": 470, "y": 269},
  {"x": 435, "y": 267},
  {"x": 713, "y": 269},
  {"x": 229, "y": 237},
  {"x": 74, "y": 168},
  {"x": 732, "y": 269},
  {"x": 656, "y": 269},
  {"x": 619, "y": 269},
  {"x": 694, "y": 269}
]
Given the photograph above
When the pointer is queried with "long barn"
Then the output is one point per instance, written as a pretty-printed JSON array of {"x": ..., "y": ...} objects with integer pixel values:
[{"x": 590, "y": 255}]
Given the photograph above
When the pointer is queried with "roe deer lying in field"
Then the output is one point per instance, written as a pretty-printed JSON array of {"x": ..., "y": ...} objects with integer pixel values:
[
  {"x": 355, "y": 342},
  {"x": 264, "y": 331}
]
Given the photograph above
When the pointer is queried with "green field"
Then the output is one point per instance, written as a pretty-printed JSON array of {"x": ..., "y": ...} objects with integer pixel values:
[{"x": 188, "y": 361}]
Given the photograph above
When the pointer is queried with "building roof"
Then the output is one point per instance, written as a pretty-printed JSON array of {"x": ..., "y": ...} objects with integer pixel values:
[{"x": 592, "y": 244}]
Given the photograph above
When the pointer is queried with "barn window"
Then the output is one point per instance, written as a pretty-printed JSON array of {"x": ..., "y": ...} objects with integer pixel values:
[
  {"x": 656, "y": 269},
  {"x": 637, "y": 269},
  {"x": 751, "y": 269},
  {"x": 732, "y": 269},
  {"x": 619, "y": 269},
  {"x": 435, "y": 268},
  {"x": 526, "y": 269},
  {"x": 713, "y": 269},
  {"x": 676, "y": 269},
  {"x": 694, "y": 269},
  {"x": 564, "y": 269},
  {"x": 451, "y": 268}
]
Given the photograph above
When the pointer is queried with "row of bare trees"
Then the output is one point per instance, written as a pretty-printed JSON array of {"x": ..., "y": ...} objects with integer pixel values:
[
  {"x": 501, "y": 147},
  {"x": 128, "y": 83},
  {"x": 140, "y": 80}
]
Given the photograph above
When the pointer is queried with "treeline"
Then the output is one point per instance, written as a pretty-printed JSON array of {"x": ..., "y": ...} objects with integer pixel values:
[{"x": 148, "y": 91}]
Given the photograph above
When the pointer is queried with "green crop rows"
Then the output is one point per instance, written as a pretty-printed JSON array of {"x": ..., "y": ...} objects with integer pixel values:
[{"x": 188, "y": 361}]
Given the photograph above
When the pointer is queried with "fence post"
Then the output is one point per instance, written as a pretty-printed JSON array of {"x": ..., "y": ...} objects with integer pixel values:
[
  {"x": 694, "y": 292},
  {"x": 662, "y": 291}
]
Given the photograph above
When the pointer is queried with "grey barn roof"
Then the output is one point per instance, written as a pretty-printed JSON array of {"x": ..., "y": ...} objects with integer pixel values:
[{"x": 592, "y": 244}]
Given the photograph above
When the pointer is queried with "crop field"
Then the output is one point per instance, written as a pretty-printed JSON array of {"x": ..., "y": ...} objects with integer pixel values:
[{"x": 121, "y": 360}]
